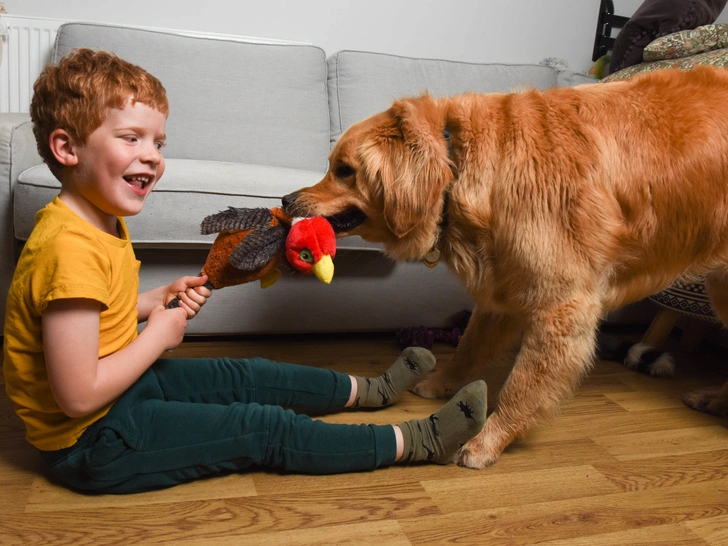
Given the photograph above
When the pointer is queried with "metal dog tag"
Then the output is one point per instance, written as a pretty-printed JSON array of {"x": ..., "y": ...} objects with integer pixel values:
[{"x": 432, "y": 258}]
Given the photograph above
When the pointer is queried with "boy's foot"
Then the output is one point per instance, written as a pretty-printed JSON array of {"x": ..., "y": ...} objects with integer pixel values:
[
  {"x": 439, "y": 437},
  {"x": 412, "y": 365}
]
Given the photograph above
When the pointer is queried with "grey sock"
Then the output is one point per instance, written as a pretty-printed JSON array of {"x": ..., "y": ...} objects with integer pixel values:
[
  {"x": 412, "y": 365},
  {"x": 439, "y": 437}
]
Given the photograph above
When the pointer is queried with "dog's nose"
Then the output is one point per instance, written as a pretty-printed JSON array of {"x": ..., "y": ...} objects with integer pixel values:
[{"x": 289, "y": 199}]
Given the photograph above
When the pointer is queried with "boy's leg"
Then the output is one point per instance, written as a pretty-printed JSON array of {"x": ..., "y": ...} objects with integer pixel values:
[
  {"x": 225, "y": 381},
  {"x": 146, "y": 442}
]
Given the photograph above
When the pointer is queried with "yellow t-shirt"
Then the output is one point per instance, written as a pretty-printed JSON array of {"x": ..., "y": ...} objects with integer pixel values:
[{"x": 65, "y": 257}]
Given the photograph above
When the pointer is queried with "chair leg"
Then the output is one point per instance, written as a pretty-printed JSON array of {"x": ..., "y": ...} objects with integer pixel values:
[{"x": 660, "y": 328}]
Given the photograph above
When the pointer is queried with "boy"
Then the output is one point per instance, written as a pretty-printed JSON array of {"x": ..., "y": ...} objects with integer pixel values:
[{"x": 109, "y": 415}]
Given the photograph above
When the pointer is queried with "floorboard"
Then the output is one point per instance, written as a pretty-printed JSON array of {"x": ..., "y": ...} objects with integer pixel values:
[{"x": 625, "y": 462}]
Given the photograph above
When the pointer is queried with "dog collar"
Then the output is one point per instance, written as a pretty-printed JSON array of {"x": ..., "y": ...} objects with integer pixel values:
[{"x": 432, "y": 258}]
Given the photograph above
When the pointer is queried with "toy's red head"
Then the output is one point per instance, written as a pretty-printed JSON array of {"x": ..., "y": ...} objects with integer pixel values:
[{"x": 311, "y": 246}]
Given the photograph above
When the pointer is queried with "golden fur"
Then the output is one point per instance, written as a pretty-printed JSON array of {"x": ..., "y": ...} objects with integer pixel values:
[{"x": 562, "y": 205}]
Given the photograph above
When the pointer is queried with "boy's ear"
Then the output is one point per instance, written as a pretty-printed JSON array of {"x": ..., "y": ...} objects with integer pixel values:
[{"x": 63, "y": 147}]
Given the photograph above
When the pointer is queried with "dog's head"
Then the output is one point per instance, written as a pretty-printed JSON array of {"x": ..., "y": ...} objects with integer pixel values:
[{"x": 386, "y": 179}]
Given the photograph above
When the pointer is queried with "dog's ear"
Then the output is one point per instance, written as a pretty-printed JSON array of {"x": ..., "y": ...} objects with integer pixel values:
[{"x": 407, "y": 159}]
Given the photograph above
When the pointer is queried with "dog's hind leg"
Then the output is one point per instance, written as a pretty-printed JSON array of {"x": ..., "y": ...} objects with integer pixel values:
[
  {"x": 713, "y": 400},
  {"x": 710, "y": 400},
  {"x": 486, "y": 351},
  {"x": 556, "y": 353}
]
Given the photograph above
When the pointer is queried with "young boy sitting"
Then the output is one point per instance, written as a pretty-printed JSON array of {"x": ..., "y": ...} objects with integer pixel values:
[{"x": 106, "y": 413}]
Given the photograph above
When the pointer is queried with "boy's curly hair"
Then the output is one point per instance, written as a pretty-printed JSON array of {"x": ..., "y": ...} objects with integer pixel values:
[{"x": 76, "y": 94}]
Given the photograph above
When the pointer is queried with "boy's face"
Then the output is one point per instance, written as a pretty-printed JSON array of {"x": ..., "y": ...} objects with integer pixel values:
[{"x": 119, "y": 164}]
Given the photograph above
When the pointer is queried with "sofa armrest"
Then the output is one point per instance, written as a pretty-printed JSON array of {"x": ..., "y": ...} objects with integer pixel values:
[{"x": 18, "y": 152}]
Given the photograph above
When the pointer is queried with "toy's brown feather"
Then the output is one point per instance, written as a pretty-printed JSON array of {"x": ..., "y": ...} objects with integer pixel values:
[
  {"x": 222, "y": 273},
  {"x": 258, "y": 248}
]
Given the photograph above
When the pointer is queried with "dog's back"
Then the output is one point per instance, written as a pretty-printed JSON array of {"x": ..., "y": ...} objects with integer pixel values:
[{"x": 633, "y": 173}]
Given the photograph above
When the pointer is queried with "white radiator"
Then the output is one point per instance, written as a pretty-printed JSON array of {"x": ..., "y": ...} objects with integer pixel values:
[{"x": 27, "y": 44}]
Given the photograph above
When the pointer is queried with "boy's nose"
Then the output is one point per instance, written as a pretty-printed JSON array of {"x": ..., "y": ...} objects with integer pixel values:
[{"x": 152, "y": 154}]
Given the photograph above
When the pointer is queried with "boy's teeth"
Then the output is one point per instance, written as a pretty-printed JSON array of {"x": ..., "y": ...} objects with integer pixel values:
[{"x": 139, "y": 181}]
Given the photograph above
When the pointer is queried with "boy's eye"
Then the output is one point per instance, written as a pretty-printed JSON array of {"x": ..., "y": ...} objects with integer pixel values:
[{"x": 159, "y": 145}]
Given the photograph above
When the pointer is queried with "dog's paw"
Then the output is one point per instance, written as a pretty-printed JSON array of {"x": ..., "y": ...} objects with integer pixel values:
[
  {"x": 477, "y": 454},
  {"x": 714, "y": 401},
  {"x": 436, "y": 386}
]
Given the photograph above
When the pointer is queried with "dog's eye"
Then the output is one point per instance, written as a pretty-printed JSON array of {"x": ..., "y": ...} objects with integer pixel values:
[{"x": 343, "y": 171}]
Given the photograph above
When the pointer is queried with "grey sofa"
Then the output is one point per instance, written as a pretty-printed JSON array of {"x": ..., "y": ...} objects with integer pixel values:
[{"x": 248, "y": 124}]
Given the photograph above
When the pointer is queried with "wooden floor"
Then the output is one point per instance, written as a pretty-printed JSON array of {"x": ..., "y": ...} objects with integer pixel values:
[{"x": 625, "y": 463}]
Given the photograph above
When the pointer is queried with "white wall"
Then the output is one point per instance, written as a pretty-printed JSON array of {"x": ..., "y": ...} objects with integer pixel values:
[{"x": 467, "y": 30}]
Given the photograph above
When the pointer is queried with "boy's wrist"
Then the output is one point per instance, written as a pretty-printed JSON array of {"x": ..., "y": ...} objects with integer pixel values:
[{"x": 150, "y": 343}]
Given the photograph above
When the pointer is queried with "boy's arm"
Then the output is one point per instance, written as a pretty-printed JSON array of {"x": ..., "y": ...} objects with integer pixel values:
[
  {"x": 81, "y": 382},
  {"x": 190, "y": 290}
]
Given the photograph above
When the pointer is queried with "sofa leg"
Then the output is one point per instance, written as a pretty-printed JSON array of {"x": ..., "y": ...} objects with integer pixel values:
[
  {"x": 692, "y": 335},
  {"x": 660, "y": 328}
]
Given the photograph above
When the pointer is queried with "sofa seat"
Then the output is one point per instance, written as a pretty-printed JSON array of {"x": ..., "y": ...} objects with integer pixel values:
[{"x": 189, "y": 190}]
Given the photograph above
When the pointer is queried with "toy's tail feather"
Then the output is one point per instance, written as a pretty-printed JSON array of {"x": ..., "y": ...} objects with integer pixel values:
[{"x": 238, "y": 219}]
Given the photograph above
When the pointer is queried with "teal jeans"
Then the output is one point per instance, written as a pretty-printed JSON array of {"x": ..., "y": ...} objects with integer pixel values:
[{"x": 188, "y": 418}]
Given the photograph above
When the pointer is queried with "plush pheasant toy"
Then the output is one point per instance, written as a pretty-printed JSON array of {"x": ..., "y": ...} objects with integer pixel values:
[{"x": 253, "y": 242}]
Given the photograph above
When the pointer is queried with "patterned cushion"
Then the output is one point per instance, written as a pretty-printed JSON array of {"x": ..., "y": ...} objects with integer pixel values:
[
  {"x": 688, "y": 42},
  {"x": 718, "y": 57},
  {"x": 688, "y": 298}
]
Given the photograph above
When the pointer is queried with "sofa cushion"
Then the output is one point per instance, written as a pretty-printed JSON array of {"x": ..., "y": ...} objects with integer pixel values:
[
  {"x": 188, "y": 191},
  {"x": 362, "y": 84},
  {"x": 688, "y": 42},
  {"x": 229, "y": 100}
]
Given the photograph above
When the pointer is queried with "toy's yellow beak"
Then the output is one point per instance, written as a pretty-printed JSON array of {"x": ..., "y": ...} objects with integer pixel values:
[{"x": 324, "y": 269}]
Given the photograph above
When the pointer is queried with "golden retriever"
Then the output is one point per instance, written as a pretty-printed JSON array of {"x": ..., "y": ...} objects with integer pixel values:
[{"x": 553, "y": 207}]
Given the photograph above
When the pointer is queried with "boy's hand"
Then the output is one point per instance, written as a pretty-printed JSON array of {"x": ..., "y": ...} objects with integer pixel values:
[
  {"x": 191, "y": 293},
  {"x": 168, "y": 325}
]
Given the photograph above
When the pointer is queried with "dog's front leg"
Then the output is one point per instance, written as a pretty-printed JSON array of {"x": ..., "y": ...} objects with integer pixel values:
[
  {"x": 486, "y": 348},
  {"x": 556, "y": 352}
]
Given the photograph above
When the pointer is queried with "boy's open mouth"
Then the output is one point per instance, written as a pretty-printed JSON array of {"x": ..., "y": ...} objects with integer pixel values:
[{"x": 137, "y": 181}]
